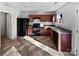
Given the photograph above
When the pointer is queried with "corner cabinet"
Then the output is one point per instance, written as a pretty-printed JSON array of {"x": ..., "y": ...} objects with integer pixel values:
[{"x": 45, "y": 32}]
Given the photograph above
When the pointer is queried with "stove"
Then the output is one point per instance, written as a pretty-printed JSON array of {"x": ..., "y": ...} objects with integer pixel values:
[{"x": 36, "y": 29}]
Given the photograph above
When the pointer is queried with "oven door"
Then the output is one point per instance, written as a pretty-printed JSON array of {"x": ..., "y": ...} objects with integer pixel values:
[{"x": 36, "y": 28}]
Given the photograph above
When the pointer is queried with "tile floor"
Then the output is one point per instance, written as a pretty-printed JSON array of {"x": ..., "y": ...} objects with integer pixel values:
[
  {"x": 25, "y": 48},
  {"x": 45, "y": 40}
]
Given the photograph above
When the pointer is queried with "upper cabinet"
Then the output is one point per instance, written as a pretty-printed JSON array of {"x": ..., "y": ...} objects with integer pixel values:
[
  {"x": 66, "y": 15},
  {"x": 43, "y": 18}
]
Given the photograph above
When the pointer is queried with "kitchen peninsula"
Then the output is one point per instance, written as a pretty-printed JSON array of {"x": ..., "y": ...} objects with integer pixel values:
[{"x": 61, "y": 37}]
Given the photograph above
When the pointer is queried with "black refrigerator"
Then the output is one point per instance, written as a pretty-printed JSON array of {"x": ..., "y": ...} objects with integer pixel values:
[{"x": 22, "y": 26}]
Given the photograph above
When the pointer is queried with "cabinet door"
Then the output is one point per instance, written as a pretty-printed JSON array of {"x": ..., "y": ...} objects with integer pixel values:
[
  {"x": 45, "y": 32},
  {"x": 30, "y": 30},
  {"x": 43, "y": 18},
  {"x": 66, "y": 42}
]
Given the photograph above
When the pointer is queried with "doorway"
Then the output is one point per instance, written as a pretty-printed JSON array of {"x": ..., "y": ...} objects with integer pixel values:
[{"x": 5, "y": 24}]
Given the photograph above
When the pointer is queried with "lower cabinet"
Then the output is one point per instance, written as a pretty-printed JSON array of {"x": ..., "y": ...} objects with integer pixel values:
[
  {"x": 66, "y": 42},
  {"x": 29, "y": 30},
  {"x": 45, "y": 32},
  {"x": 62, "y": 40},
  {"x": 55, "y": 39}
]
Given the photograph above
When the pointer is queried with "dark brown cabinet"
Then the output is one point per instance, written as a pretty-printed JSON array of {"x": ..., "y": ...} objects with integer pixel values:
[
  {"x": 43, "y": 18},
  {"x": 29, "y": 30},
  {"x": 55, "y": 38},
  {"x": 62, "y": 40},
  {"x": 43, "y": 32},
  {"x": 66, "y": 42}
]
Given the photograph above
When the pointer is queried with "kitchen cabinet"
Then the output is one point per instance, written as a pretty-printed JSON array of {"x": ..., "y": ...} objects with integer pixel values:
[
  {"x": 45, "y": 32},
  {"x": 29, "y": 30},
  {"x": 65, "y": 42},
  {"x": 43, "y": 18},
  {"x": 54, "y": 37},
  {"x": 61, "y": 38}
]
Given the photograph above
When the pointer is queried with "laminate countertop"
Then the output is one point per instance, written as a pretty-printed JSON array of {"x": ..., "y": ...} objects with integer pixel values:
[{"x": 58, "y": 30}]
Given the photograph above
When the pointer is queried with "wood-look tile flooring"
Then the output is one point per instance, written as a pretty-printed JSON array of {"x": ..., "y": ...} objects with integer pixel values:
[
  {"x": 24, "y": 47},
  {"x": 49, "y": 42},
  {"x": 45, "y": 40},
  {"x": 12, "y": 52}
]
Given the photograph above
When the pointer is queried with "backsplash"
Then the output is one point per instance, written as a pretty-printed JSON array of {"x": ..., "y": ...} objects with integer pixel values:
[
  {"x": 44, "y": 23},
  {"x": 52, "y": 23}
]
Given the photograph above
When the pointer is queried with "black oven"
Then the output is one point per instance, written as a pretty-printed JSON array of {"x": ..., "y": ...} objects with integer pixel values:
[{"x": 36, "y": 29}]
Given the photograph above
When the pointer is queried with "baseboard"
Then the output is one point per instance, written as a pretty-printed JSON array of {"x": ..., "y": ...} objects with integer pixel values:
[
  {"x": 3, "y": 34},
  {"x": 73, "y": 52}
]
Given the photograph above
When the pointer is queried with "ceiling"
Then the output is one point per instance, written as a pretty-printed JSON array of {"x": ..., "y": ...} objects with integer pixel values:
[{"x": 31, "y": 6}]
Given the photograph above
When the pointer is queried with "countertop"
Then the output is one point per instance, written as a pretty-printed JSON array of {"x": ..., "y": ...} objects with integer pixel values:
[{"x": 58, "y": 30}]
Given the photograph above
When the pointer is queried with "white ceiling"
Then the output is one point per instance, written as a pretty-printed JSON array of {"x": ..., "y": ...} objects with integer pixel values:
[{"x": 31, "y": 6}]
